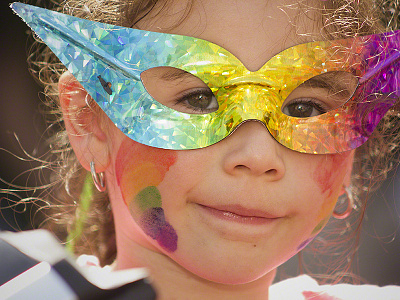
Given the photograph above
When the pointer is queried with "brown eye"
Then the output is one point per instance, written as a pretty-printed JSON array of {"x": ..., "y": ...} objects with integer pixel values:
[
  {"x": 179, "y": 90},
  {"x": 303, "y": 108},
  {"x": 320, "y": 94},
  {"x": 202, "y": 101}
]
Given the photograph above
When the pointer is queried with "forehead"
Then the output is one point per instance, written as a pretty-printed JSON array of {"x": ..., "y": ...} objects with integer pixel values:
[{"x": 252, "y": 30}]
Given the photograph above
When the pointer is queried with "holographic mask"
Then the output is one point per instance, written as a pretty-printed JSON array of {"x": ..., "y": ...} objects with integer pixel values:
[{"x": 177, "y": 92}]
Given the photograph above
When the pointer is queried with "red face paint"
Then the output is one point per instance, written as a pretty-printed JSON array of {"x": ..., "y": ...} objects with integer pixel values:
[
  {"x": 139, "y": 170},
  {"x": 325, "y": 175},
  {"x": 327, "y": 170},
  {"x": 139, "y": 166}
]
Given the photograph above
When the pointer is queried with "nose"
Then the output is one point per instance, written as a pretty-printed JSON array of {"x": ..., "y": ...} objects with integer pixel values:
[{"x": 252, "y": 150}]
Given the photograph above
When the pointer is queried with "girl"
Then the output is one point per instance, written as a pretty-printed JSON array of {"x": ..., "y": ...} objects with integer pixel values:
[{"x": 223, "y": 145}]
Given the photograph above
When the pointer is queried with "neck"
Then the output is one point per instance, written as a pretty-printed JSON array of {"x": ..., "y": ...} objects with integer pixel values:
[{"x": 171, "y": 281}]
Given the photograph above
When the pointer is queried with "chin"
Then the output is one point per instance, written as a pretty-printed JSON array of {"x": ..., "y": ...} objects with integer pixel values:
[
  {"x": 232, "y": 277},
  {"x": 224, "y": 271}
]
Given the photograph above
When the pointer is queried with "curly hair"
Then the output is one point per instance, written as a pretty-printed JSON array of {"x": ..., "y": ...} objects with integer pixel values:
[{"x": 339, "y": 19}]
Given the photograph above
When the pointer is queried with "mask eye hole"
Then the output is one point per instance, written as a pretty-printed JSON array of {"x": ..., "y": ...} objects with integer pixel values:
[
  {"x": 179, "y": 90},
  {"x": 320, "y": 94}
]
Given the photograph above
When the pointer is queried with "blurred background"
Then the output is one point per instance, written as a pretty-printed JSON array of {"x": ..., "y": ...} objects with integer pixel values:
[
  {"x": 379, "y": 252},
  {"x": 19, "y": 116}
]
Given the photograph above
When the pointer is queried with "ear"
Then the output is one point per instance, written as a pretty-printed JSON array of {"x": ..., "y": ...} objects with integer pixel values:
[{"x": 83, "y": 124}]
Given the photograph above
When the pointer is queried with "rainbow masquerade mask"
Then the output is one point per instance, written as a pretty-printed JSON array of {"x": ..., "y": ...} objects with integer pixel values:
[{"x": 177, "y": 92}]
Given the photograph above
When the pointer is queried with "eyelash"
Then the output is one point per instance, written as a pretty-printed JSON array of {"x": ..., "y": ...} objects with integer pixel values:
[
  {"x": 182, "y": 100},
  {"x": 310, "y": 101}
]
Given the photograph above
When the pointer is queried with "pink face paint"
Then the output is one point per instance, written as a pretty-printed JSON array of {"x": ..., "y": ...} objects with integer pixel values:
[
  {"x": 326, "y": 175},
  {"x": 139, "y": 170},
  {"x": 327, "y": 170}
]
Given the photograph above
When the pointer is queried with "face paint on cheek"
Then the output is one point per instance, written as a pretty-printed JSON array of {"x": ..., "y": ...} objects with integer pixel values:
[
  {"x": 326, "y": 175},
  {"x": 327, "y": 170},
  {"x": 304, "y": 243},
  {"x": 326, "y": 210},
  {"x": 314, "y": 233},
  {"x": 138, "y": 166},
  {"x": 320, "y": 225},
  {"x": 324, "y": 216},
  {"x": 139, "y": 170},
  {"x": 148, "y": 198},
  {"x": 154, "y": 225}
]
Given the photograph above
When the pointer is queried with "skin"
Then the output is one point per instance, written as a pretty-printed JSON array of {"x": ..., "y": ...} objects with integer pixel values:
[
  {"x": 140, "y": 169},
  {"x": 212, "y": 258}
]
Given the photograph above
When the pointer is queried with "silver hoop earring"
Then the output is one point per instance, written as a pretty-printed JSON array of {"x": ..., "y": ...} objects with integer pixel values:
[
  {"x": 350, "y": 206},
  {"x": 98, "y": 178}
]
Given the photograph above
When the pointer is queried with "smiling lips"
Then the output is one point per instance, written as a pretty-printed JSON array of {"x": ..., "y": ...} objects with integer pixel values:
[{"x": 239, "y": 214}]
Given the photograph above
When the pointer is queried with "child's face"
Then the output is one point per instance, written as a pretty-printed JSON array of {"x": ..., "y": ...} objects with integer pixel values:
[{"x": 236, "y": 210}]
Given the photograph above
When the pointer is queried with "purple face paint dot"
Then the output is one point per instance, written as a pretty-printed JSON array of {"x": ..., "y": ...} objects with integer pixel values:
[
  {"x": 304, "y": 243},
  {"x": 168, "y": 239},
  {"x": 152, "y": 222},
  {"x": 155, "y": 226}
]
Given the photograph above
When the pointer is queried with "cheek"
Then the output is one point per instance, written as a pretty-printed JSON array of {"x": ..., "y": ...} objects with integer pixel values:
[
  {"x": 138, "y": 167},
  {"x": 328, "y": 176},
  {"x": 328, "y": 170},
  {"x": 139, "y": 170}
]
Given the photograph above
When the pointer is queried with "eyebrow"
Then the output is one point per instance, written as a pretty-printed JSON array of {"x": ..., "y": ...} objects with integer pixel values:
[
  {"x": 175, "y": 74},
  {"x": 331, "y": 83}
]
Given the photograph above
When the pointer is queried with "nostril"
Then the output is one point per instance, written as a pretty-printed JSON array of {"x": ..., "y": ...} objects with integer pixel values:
[
  {"x": 241, "y": 168},
  {"x": 272, "y": 172}
]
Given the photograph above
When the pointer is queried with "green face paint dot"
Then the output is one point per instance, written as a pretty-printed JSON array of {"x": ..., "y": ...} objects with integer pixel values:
[
  {"x": 320, "y": 225},
  {"x": 147, "y": 198}
]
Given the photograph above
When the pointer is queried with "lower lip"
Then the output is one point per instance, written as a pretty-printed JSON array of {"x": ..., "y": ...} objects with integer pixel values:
[{"x": 229, "y": 216}]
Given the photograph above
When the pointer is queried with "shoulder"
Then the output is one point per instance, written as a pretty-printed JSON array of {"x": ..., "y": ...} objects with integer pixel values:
[{"x": 306, "y": 288}]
